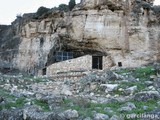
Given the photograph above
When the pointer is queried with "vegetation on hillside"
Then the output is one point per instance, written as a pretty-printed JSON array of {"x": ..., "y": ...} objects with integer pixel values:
[
  {"x": 72, "y": 3},
  {"x": 42, "y": 10},
  {"x": 142, "y": 78},
  {"x": 156, "y": 9},
  {"x": 63, "y": 7}
]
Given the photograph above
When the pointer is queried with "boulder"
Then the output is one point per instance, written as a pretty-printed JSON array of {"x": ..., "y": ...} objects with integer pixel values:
[
  {"x": 127, "y": 107},
  {"x": 157, "y": 83},
  {"x": 68, "y": 114},
  {"x": 130, "y": 90},
  {"x": 100, "y": 116},
  {"x": 115, "y": 117},
  {"x": 36, "y": 113},
  {"x": 109, "y": 87},
  {"x": 154, "y": 115},
  {"x": 16, "y": 114},
  {"x": 88, "y": 118},
  {"x": 66, "y": 92},
  {"x": 146, "y": 95}
]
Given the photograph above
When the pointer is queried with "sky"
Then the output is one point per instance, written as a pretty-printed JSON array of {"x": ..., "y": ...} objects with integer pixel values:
[
  {"x": 157, "y": 2},
  {"x": 9, "y": 9}
]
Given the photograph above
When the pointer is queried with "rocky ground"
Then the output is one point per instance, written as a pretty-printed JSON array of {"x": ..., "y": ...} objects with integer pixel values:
[{"x": 116, "y": 94}]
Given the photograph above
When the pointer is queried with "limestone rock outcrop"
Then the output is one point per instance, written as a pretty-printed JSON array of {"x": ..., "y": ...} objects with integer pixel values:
[{"x": 125, "y": 30}]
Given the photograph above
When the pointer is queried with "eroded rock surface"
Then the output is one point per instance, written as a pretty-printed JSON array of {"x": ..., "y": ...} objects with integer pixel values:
[{"x": 126, "y": 31}]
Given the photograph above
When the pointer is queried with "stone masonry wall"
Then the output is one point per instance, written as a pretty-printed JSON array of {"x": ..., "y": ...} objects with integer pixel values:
[{"x": 80, "y": 63}]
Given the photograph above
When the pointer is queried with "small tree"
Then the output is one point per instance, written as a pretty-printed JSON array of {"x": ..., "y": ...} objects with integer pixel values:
[
  {"x": 42, "y": 10},
  {"x": 156, "y": 9},
  {"x": 72, "y": 3},
  {"x": 63, "y": 7}
]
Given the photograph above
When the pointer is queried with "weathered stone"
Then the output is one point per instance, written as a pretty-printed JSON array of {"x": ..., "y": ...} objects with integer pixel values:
[
  {"x": 115, "y": 117},
  {"x": 16, "y": 114},
  {"x": 109, "y": 87},
  {"x": 157, "y": 83},
  {"x": 127, "y": 107},
  {"x": 66, "y": 92},
  {"x": 147, "y": 95},
  {"x": 152, "y": 77},
  {"x": 100, "y": 116},
  {"x": 152, "y": 88},
  {"x": 88, "y": 118},
  {"x": 35, "y": 113},
  {"x": 154, "y": 115},
  {"x": 93, "y": 86},
  {"x": 124, "y": 33},
  {"x": 108, "y": 110},
  {"x": 103, "y": 27},
  {"x": 158, "y": 103},
  {"x": 69, "y": 114},
  {"x": 130, "y": 90},
  {"x": 95, "y": 31},
  {"x": 148, "y": 83},
  {"x": 39, "y": 96}
]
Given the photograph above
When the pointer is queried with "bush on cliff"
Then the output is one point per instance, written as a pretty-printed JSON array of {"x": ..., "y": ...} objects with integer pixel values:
[
  {"x": 72, "y": 3},
  {"x": 156, "y": 9},
  {"x": 63, "y": 7},
  {"x": 42, "y": 10}
]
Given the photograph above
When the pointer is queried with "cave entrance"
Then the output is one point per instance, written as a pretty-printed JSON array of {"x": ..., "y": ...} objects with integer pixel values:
[
  {"x": 44, "y": 71},
  {"x": 97, "y": 62}
]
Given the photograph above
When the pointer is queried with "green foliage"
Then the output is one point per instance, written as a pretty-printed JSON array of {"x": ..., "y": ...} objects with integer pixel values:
[
  {"x": 139, "y": 106},
  {"x": 17, "y": 104},
  {"x": 85, "y": 107},
  {"x": 54, "y": 9},
  {"x": 144, "y": 72},
  {"x": 156, "y": 9},
  {"x": 63, "y": 7},
  {"x": 34, "y": 80},
  {"x": 72, "y": 3},
  {"x": 42, "y": 10},
  {"x": 122, "y": 71},
  {"x": 38, "y": 79},
  {"x": 140, "y": 86},
  {"x": 146, "y": 5},
  {"x": 42, "y": 104},
  {"x": 7, "y": 94},
  {"x": 82, "y": 103}
]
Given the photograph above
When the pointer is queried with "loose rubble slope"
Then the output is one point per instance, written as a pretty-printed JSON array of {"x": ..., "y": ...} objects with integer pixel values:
[{"x": 98, "y": 95}]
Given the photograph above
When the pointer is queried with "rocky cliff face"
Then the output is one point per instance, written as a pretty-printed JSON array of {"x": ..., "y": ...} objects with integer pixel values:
[{"x": 126, "y": 30}]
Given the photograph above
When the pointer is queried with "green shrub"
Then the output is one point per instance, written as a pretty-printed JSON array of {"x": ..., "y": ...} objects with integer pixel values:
[
  {"x": 72, "y": 3},
  {"x": 156, "y": 9},
  {"x": 146, "y": 5},
  {"x": 42, "y": 104},
  {"x": 42, "y": 10},
  {"x": 144, "y": 72},
  {"x": 63, "y": 7},
  {"x": 17, "y": 104}
]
